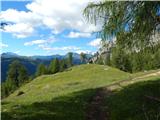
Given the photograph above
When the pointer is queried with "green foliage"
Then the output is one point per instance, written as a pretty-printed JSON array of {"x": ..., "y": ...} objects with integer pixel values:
[
  {"x": 65, "y": 94},
  {"x": 54, "y": 66},
  {"x": 63, "y": 64},
  {"x": 17, "y": 75},
  {"x": 100, "y": 61},
  {"x": 6, "y": 89},
  {"x": 70, "y": 59},
  {"x": 83, "y": 57},
  {"x": 41, "y": 70},
  {"x": 133, "y": 23},
  {"x": 130, "y": 102},
  {"x": 142, "y": 60},
  {"x": 120, "y": 59},
  {"x": 23, "y": 75}
]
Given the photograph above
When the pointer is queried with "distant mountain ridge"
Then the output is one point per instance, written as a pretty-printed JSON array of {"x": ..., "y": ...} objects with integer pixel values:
[
  {"x": 41, "y": 57},
  {"x": 31, "y": 62},
  {"x": 9, "y": 55}
]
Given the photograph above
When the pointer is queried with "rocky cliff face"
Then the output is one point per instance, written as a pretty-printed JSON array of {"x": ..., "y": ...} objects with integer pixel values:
[{"x": 103, "y": 53}]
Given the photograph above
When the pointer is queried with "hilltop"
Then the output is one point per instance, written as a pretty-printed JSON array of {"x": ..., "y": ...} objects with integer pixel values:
[
  {"x": 61, "y": 86},
  {"x": 66, "y": 95}
]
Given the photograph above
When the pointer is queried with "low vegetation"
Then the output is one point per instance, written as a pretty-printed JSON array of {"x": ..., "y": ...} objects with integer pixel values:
[
  {"x": 18, "y": 75},
  {"x": 62, "y": 91},
  {"x": 66, "y": 95},
  {"x": 59, "y": 96},
  {"x": 139, "y": 101}
]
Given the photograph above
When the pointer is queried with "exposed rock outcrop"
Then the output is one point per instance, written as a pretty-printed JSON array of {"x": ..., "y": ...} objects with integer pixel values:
[{"x": 103, "y": 53}]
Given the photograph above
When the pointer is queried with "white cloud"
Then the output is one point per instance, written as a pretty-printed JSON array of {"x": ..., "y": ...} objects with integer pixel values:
[
  {"x": 95, "y": 43},
  {"x": 64, "y": 48},
  {"x": 55, "y": 15},
  {"x": 17, "y": 52},
  {"x": 84, "y": 51},
  {"x": 20, "y": 30},
  {"x": 2, "y": 45},
  {"x": 37, "y": 42},
  {"x": 23, "y": 24},
  {"x": 78, "y": 34}
]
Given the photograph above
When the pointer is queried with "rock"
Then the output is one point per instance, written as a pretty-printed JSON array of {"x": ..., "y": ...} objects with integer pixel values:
[{"x": 20, "y": 93}]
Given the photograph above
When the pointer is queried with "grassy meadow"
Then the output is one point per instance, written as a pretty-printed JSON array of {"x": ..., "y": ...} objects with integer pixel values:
[{"x": 65, "y": 95}]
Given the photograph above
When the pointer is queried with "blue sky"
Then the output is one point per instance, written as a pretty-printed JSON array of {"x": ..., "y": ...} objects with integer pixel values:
[{"x": 41, "y": 28}]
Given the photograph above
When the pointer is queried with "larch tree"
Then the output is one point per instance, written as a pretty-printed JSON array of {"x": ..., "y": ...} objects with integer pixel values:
[{"x": 133, "y": 23}]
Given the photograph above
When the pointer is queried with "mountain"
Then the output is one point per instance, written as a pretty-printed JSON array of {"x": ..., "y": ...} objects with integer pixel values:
[
  {"x": 46, "y": 57},
  {"x": 31, "y": 62},
  {"x": 9, "y": 55}
]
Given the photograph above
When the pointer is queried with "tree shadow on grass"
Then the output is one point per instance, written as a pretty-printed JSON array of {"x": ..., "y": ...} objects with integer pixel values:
[
  {"x": 131, "y": 102},
  {"x": 70, "y": 107}
]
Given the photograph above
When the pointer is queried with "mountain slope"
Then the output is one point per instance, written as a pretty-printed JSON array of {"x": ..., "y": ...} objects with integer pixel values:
[
  {"x": 66, "y": 90},
  {"x": 137, "y": 100},
  {"x": 67, "y": 95},
  {"x": 75, "y": 79},
  {"x": 134, "y": 99}
]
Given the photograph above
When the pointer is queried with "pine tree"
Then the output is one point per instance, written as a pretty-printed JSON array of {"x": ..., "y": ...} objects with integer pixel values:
[
  {"x": 70, "y": 59},
  {"x": 23, "y": 75},
  {"x": 114, "y": 16},
  {"x": 16, "y": 76},
  {"x": 120, "y": 60},
  {"x": 17, "y": 73},
  {"x": 54, "y": 66},
  {"x": 12, "y": 74},
  {"x": 83, "y": 57},
  {"x": 63, "y": 65},
  {"x": 41, "y": 70}
]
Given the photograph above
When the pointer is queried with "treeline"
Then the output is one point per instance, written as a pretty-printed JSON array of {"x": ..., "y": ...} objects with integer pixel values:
[
  {"x": 17, "y": 74},
  {"x": 55, "y": 66},
  {"x": 134, "y": 61},
  {"x": 59, "y": 65}
]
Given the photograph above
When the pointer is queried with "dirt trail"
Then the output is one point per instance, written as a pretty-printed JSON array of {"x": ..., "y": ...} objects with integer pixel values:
[{"x": 96, "y": 109}]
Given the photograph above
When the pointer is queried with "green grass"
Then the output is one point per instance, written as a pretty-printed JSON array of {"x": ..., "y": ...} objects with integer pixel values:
[
  {"x": 130, "y": 102},
  {"x": 63, "y": 96}
]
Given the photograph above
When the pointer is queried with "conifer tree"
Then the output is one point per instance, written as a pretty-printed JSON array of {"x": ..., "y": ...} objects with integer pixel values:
[
  {"x": 83, "y": 57},
  {"x": 70, "y": 59},
  {"x": 41, "y": 70},
  {"x": 17, "y": 73},
  {"x": 16, "y": 76},
  {"x": 63, "y": 65},
  {"x": 54, "y": 66}
]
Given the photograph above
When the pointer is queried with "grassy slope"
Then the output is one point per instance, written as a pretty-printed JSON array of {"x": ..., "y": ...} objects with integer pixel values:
[
  {"x": 130, "y": 102},
  {"x": 65, "y": 96},
  {"x": 60, "y": 96}
]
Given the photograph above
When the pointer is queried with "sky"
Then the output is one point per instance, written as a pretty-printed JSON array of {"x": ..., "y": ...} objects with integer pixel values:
[{"x": 47, "y": 27}]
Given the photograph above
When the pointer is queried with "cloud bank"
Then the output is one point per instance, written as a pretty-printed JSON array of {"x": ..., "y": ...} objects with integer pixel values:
[{"x": 55, "y": 15}]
